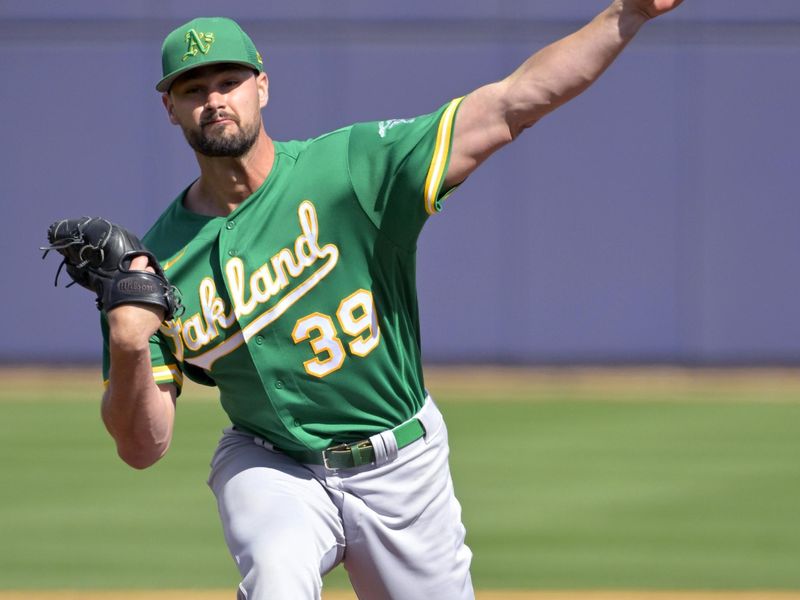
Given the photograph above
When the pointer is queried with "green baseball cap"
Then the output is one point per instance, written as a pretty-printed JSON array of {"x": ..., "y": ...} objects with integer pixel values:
[{"x": 205, "y": 41}]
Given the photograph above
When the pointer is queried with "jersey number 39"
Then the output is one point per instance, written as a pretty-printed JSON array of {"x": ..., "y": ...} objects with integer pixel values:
[{"x": 356, "y": 317}]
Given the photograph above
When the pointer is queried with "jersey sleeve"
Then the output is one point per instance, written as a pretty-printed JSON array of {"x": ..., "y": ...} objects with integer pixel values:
[
  {"x": 397, "y": 168},
  {"x": 165, "y": 368}
]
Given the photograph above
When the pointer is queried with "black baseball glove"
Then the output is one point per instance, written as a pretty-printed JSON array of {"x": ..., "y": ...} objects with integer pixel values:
[{"x": 98, "y": 255}]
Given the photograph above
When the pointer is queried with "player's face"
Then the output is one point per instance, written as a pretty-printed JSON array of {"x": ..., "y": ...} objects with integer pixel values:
[{"x": 218, "y": 108}]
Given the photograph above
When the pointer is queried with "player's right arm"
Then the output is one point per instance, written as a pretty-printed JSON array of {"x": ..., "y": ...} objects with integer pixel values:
[
  {"x": 138, "y": 413},
  {"x": 495, "y": 114}
]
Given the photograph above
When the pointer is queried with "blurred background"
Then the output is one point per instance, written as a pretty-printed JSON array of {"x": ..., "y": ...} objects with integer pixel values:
[
  {"x": 653, "y": 219},
  {"x": 650, "y": 222}
]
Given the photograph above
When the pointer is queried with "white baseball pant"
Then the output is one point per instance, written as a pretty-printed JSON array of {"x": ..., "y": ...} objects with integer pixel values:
[{"x": 396, "y": 525}]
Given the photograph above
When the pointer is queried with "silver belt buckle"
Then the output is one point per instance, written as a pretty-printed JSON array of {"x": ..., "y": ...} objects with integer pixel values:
[{"x": 339, "y": 448}]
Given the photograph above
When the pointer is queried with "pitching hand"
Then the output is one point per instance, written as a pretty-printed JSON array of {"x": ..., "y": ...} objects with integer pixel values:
[{"x": 650, "y": 8}]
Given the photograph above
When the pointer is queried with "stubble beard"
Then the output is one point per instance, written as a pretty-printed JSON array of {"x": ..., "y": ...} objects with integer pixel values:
[{"x": 235, "y": 145}]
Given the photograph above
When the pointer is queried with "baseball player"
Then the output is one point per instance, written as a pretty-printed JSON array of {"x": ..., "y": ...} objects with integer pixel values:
[{"x": 296, "y": 266}]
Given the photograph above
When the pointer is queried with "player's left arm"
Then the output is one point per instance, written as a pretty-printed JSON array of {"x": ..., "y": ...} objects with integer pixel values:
[{"x": 494, "y": 115}]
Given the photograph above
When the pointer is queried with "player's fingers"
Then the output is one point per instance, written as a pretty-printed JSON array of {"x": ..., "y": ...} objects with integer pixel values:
[{"x": 140, "y": 264}]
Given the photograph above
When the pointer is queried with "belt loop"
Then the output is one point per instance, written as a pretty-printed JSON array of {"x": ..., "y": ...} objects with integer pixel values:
[
  {"x": 359, "y": 458},
  {"x": 385, "y": 446},
  {"x": 263, "y": 443}
]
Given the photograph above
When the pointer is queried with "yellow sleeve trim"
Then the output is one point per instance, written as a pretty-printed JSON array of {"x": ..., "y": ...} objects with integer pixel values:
[
  {"x": 162, "y": 374},
  {"x": 441, "y": 152},
  {"x": 168, "y": 374}
]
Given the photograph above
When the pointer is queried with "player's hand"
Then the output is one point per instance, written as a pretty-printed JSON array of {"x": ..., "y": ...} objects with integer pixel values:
[
  {"x": 650, "y": 8},
  {"x": 140, "y": 263},
  {"x": 131, "y": 325}
]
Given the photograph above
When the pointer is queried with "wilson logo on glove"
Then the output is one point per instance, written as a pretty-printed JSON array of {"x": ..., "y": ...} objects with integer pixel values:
[{"x": 132, "y": 286}]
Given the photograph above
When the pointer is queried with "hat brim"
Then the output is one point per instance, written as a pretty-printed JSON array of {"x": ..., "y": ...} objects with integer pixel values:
[{"x": 166, "y": 83}]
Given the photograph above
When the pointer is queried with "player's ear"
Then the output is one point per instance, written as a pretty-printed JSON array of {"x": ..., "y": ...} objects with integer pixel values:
[
  {"x": 262, "y": 83},
  {"x": 167, "y": 101}
]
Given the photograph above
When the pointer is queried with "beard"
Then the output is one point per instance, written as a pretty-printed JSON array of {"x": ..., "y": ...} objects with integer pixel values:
[{"x": 208, "y": 143}]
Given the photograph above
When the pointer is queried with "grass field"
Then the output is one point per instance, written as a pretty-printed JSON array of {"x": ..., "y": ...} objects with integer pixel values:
[{"x": 660, "y": 480}]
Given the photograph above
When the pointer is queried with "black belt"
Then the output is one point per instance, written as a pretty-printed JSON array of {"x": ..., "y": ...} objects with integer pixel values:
[{"x": 355, "y": 454}]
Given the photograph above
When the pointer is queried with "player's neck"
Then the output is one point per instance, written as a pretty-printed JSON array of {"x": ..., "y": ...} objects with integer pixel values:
[{"x": 224, "y": 183}]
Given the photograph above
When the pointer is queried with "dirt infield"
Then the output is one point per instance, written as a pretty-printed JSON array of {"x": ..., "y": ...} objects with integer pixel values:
[
  {"x": 477, "y": 382},
  {"x": 624, "y": 383},
  {"x": 339, "y": 595}
]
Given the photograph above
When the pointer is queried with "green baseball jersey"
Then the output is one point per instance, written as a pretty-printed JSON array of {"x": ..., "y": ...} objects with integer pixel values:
[{"x": 301, "y": 304}]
